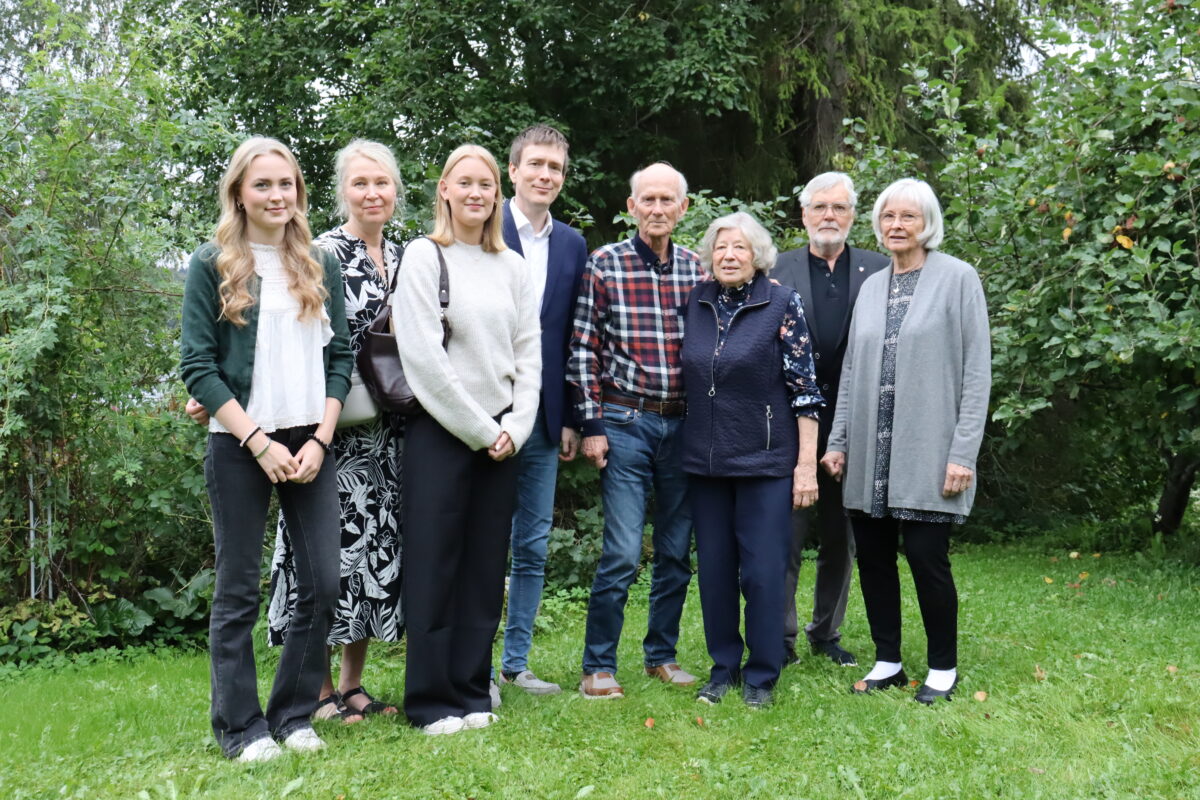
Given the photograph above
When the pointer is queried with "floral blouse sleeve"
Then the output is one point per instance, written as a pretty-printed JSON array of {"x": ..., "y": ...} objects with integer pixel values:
[{"x": 799, "y": 373}]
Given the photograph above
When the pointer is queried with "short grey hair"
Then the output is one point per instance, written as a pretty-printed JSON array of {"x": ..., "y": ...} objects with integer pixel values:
[
  {"x": 828, "y": 180},
  {"x": 381, "y": 154},
  {"x": 922, "y": 194},
  {"x": 756, "y": 235},
  {"x": 635, "y": 177}
]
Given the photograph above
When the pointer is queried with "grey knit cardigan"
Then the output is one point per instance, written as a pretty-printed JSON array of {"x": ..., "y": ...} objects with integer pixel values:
[{"x": 943, "y": 379}]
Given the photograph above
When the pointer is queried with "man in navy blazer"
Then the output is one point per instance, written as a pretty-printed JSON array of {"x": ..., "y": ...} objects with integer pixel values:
[
  {"x": 828, "y": 274},
  {"x": 556, "y": 253}
]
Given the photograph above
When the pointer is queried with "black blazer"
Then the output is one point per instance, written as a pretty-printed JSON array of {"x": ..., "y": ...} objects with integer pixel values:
[
  {"x": 568, "y": 255},
  {"x": 791, "y": 269}
]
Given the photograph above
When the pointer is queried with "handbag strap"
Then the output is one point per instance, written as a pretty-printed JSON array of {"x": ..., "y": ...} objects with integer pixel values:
[{"x": 443, "y": 280}]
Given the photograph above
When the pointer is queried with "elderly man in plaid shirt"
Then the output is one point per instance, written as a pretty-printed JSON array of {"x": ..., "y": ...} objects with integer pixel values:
[{"x": 626, "y": 370}]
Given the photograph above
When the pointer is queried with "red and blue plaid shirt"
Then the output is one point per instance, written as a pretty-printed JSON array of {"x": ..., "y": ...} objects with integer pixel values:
[{"x": 629, "y": 326}]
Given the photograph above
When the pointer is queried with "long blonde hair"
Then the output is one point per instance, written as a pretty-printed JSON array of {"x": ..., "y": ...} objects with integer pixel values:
[
  {"x": 443, "y": 226},
  {"x": 235, "y": 264}
]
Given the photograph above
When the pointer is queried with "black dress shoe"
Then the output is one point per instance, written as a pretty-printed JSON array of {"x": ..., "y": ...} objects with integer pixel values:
[
  {"x": 867, "y": 686},
  {"x": 928, "y": 696},
  {"x": 843, "y": 658}
]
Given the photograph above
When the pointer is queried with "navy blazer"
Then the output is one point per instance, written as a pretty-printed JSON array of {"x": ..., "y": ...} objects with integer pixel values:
[
  {"x": 791, "y": 269},
  {"x": 564, "y": 267}
]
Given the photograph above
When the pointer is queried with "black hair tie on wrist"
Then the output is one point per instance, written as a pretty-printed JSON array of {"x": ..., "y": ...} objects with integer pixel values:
[{"x": 324, "y": 445}]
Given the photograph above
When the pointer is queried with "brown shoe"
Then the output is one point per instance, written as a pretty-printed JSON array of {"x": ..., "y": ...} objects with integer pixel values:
[
  {"x": 600, "y": 686},
  {"x": 671, "y": 673}
]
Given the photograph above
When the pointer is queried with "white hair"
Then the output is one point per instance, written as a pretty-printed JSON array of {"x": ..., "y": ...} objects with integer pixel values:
[
  {"x": 828, "y": 180},
  {"x": 381, "y": 154},
  {"x": 635, "y": 177},
  {"x": 918, "y": 192},
  {"x": 756, "y": 235}
]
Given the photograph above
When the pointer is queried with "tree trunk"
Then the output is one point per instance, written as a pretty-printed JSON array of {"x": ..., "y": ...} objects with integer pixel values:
[{"x": 1176, "y": 493}]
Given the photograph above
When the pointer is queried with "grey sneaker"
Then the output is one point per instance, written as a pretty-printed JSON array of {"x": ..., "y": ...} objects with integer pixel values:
[
  {"x": 757, "y": 697},
  {"x": 494, "y": 692},
  {"x": 529, "y": 682},
  {"x": 713, "y": 692}
]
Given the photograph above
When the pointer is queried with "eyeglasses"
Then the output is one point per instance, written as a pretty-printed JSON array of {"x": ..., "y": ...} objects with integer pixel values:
[
  {"x": 906, "y": 219},
  {"x": 838, "y": 209}
]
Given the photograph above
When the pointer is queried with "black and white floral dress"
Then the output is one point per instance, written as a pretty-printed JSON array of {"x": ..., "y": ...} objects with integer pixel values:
[{"x": 368, "y": 459}]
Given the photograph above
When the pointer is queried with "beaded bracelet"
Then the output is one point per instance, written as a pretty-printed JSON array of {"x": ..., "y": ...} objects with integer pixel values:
[{"x": 324, "y": 446}]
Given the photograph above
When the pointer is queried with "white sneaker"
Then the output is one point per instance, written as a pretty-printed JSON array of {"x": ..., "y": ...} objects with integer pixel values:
[
  {"x": 531, "y": 683},
  {"x": 479, "y": 719},
  {"x": 494, "y": 692},
  {"x": 260, "y": 750},
  {"x": 303, "y": 740},
  {"x": 443, "y": 726}
]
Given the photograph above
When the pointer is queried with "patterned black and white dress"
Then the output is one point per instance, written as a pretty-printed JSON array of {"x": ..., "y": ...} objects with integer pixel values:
[
  {"x": 368, "y": 459},
  {"x": 900, "y": 295}
]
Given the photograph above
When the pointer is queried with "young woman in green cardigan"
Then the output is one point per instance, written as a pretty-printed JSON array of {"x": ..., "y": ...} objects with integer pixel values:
[{"x": 265, "y": 344}]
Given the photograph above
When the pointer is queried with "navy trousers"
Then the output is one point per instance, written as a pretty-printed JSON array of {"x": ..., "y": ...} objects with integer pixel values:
[{"x": 743, "y": 534}]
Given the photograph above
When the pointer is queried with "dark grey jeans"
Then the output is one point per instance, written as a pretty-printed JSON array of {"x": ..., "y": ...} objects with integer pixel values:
[
  {"x": 830, "y": 533},
  {"x": 240, "y": 493}
]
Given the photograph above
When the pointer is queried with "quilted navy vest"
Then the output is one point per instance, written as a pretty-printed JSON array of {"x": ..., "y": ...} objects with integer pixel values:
[{"x": 739, "y": 422}]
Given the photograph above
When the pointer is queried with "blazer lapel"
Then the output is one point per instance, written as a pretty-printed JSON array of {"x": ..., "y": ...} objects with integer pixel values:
[
  {"x": 555, "y": 265},
  {"x": 509, "y": 229},
  {"x": 803, "y": 286}
]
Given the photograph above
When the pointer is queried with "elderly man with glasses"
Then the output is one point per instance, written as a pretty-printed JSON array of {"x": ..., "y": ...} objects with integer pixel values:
[{"x": 827, "y": 274}]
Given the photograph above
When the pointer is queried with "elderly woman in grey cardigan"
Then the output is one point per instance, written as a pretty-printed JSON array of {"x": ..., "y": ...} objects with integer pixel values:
[{"x": 909, "y": 422}]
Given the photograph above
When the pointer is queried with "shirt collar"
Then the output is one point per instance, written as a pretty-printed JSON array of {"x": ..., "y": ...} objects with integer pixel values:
[
  {"x": 841, "y": 264},
  {"x": 650, "y": 258},
  {"x": 521, "y": 222}
]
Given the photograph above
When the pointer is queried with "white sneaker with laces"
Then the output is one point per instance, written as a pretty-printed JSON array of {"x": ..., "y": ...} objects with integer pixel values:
[
  {"x": 303, "y": 740},
  {"x": 444, "y": 726},
  {"x": 479, "y": 719},
  {"x": 531, "y": 683},
  {"x": 259, "y": 750}
]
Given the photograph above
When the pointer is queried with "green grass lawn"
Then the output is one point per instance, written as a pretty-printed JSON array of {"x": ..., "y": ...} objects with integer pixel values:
[{"x": 1090, "y": 680}]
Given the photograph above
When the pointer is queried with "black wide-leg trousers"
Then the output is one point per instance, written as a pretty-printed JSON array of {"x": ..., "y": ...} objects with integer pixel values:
[
  {"x": 927, "y": 548},
  {"x": 458, "y": 506}
]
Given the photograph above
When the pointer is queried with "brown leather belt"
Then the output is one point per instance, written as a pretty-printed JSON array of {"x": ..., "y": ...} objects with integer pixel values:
[{"x": 665, "y": 408}]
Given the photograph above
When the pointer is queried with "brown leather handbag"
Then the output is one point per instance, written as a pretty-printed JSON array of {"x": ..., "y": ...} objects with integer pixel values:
[{"x": 379, "y": 360}]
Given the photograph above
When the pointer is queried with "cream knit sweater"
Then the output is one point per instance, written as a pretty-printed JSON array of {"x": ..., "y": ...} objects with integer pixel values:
[{"x": 494, "y": 359}]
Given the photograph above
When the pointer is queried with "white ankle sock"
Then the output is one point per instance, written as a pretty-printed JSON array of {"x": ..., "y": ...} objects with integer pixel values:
[
  {"x": 882, "y": 669},
  {"x": 941, "y": 679}
]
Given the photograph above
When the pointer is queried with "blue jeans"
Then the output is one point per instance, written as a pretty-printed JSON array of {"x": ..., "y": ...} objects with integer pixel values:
[
  {"x": 644, "y": 450},
  {"x": 538, "y": 471}
]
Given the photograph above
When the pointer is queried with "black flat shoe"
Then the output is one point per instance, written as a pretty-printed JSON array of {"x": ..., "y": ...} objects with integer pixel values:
[
  {"x": 867, "y": 686},
  {"x": 927, "y": 696}
]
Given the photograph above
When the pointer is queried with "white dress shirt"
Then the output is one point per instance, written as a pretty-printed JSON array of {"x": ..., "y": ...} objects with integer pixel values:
[{"x": 536, "y": 246}]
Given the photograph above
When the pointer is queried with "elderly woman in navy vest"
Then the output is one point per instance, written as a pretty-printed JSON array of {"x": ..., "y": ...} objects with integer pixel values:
[
  {"x": 909, "y": 422},
  {"x": 750, "y": 449}
]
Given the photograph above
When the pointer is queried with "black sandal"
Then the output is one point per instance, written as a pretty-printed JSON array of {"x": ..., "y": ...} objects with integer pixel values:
[
  {"x": 331, "y": 707},
  {"x": 373, "y": 706}
]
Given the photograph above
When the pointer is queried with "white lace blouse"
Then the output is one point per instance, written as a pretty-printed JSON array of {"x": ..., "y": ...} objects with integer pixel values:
[{"x": 287, "y": 389}]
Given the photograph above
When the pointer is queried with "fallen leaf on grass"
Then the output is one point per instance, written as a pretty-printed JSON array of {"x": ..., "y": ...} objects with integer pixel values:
[
  {"x": 1072, "y": 585},
  {"x": 1039, "y": 674},
  {"x": 1083, "y": 576},
  {"x": 649, "y": 722},
  {"x": 1109, "y": 582},
  {"x": 980, "y": 696},
  {"x": 1053, "y": 559},
  {"x": 1171, "y": 668},
  {"x": 1074, "y": 554},
  {"x": 1095, "y": 555},
  {"x": 584, "y": 792},
  {"x": 1047, "y": 579},
  {"x": 1037, "y": 770},
  {"x": 700, "y": 721},
  {"x": 914, "y": 684}
]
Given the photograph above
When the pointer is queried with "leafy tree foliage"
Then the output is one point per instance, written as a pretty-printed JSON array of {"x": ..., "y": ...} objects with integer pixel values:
[
  {"x": 1082, "y": 217},
  {"x": 745, "y": 96},
  {"x": 95, "y": 209}
]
